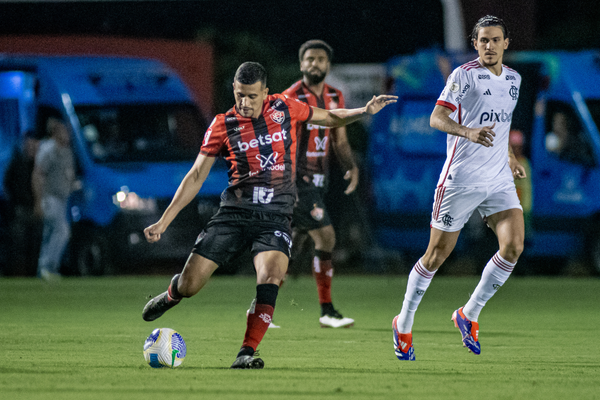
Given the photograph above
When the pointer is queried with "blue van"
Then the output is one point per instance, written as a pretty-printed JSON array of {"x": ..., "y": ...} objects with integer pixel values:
[
  {"x": 560, "y": 92},
  {"x": 136, "y": 132}
]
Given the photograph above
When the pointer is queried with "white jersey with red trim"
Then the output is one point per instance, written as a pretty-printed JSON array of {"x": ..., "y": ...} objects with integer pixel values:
[{"x": 479, "y": 98}]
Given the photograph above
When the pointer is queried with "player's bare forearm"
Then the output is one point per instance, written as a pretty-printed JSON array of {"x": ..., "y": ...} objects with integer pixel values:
[
  {"x": 440, "y": 119},
  {"x": 187, "y": 190},
  {"x": 343, "y": 116}
]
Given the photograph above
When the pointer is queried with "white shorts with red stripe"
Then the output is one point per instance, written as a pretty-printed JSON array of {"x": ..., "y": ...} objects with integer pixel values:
[{"x": 453, "y": 206}]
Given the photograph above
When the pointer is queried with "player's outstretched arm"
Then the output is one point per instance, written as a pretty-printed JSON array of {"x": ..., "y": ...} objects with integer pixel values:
[
  {"x": 440, "y": 120},
  {"x": 187, "y": 190},
  {"x": 343, "y": 116}
]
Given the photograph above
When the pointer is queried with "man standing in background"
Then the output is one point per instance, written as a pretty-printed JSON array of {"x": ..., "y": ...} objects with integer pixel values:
[
  {"x": 52, "y": 181},
  {"x": 310, "y": 216}
]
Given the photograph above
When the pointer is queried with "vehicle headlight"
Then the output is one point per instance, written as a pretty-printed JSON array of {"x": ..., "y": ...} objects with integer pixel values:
[{"x": 130, "y": 201}]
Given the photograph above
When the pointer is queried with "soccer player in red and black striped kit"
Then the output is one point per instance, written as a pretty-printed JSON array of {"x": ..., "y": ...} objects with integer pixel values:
[
  {"x": 257, "y": 139},
  {"x": 310, "y": 216}
]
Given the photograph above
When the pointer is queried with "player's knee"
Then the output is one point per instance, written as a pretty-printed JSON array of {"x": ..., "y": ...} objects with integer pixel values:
[
  {"x": 435, "y": 257},
  {"x": 512, "y": 251}
]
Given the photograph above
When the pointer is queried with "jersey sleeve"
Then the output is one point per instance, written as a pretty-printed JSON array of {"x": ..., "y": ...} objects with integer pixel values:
[
  {"x": 214, "y": 138},
  {"x": 457, "y": 87},
  {"x": 299, "y": 110}
]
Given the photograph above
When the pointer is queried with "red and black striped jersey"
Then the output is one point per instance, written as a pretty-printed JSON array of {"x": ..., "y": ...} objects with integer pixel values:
[
  {"x": 313, "y": 140},
  {"x": 260, "y": 154}
]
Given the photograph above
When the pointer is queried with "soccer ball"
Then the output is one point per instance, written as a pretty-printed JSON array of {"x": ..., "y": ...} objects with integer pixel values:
[{"x": 164, "y": 348}]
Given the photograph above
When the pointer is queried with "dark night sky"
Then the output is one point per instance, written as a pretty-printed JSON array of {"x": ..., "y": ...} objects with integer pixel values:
[{"x": 360, "y": 31}]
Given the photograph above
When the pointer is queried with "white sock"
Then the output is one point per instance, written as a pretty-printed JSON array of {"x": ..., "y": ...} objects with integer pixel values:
[
  {"x": 418, "y": 282},
  {"x": 495, "y": 273}
]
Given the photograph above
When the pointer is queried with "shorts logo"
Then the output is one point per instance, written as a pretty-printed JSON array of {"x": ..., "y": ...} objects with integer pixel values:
[
  {"x": 321, "y": 143},
  {"x": 514, "y": 92},
  {"x": 317, "y": 213},
  {"x": 285, "y": 237},
  {"x": 262, "y": 195},
  {"x": 447, "y": 220},
  {"x": 278, "y": 117}
]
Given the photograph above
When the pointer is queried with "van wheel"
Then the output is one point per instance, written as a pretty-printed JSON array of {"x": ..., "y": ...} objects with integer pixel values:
[{"x": 92, "y": 255}]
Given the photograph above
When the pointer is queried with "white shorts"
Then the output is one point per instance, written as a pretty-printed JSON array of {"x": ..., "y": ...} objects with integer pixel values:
[{"x": 453, "y": 206}]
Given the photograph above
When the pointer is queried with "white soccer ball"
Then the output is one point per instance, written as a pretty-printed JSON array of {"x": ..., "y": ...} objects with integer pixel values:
[{"x": 164, "y": 348}]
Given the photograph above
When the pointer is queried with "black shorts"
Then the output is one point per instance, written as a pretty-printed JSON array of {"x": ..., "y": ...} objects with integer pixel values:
[
  {"x": 231, "y": 231},
  {"x": 310, "y": 212}
]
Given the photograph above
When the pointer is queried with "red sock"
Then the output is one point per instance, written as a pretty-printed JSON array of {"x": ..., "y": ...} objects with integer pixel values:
[
  {"x": 323, "y": 272},
  {"x": 257, "y": 325}
]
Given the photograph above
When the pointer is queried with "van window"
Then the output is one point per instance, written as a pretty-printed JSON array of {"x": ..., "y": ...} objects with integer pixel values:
[
  {"x": 125, "y": 133},
  {"x": 565, "y": 137}
]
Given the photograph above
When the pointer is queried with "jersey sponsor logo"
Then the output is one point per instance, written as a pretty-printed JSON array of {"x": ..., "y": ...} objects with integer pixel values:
[
  {"x": 270, "y": 162},
  {"x": 262, "y": 195},
  {"x": 495, "y": 117},
  {"x": 238, "y": 128},
  {"x": 511, "y": 78},
  {"x": 230, "y": 119},
  {"x": 514, "y": 92},
  {"x": 303, "y": 96},
  {"x": 321, "y": 143},
  {"x": 483, "y": 77},
  {"x": 262, "y": 140},
  {"x": 278, "y": 117}
]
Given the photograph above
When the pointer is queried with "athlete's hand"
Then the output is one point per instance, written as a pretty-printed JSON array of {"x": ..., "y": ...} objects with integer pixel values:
[
  {"x": 153, "y": 232},
  {"x": 376, "y": 104},
  {"x": 352, "y": 175},
  {"x": 483, "y": 136},
  {"x": 517, "y": 169}
]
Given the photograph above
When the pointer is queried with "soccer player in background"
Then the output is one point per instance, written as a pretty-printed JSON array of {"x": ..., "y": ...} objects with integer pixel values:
[
  {"x": 257, "y": 138},
  {"x": 310, "y": 216},
  {"x": 475, "y": 109}
]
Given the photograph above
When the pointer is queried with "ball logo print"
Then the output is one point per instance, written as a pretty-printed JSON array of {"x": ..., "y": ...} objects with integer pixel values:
[{"x": 164, "y": 348}]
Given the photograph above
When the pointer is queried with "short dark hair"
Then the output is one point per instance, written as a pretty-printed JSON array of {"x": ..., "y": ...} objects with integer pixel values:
[
  {"x": 315, "y": 44},
  {"x": 489, "y": 20},
  {"x": 251, "y": 72}
]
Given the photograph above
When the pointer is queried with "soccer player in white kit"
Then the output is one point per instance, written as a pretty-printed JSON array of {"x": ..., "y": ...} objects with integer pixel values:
[{"x": 475, "y": 109}]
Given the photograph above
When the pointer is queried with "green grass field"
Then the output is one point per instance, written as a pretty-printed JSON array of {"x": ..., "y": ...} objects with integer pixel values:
[{"x": 83, "y": 339}]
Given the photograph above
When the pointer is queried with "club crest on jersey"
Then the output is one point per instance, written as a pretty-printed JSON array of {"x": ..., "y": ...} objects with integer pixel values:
[
  {"x": 278, "y": 117},
  {"x": 514, "y": 92}
]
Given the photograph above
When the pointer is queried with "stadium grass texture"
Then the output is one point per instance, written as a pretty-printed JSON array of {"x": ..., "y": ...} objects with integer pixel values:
[{"x": 83, "y": 339}]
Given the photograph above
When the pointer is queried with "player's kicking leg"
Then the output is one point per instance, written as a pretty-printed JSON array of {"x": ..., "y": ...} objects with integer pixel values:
[{"x": 195, "y": 274}]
